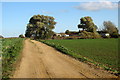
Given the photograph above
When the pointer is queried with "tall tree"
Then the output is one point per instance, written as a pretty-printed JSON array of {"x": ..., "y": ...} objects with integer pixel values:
[
  {"x": 110, "y": 28},
  {"x": 40, "y": 27},
  {"x": 89, "y": 28},
  {"x": 86, "y": 23}
]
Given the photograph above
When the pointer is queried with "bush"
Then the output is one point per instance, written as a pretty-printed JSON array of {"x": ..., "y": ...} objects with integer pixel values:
[
  {"x": 1, "y": 36},
  {"x": 115, "y": 35},
  {"x": 89, "y": 35},
  {"x": 21, "y": 36}
]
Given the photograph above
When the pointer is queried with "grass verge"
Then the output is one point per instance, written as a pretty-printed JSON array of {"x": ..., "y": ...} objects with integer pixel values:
[{"x": 10, "y": 53}]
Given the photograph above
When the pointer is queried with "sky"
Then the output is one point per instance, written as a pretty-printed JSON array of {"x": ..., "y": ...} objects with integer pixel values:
[
  {"x": 16, "y": 15},
  {"x": 55, "y": 0}
]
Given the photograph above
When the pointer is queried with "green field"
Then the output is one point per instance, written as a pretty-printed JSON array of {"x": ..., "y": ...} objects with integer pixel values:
[
  {"x": 102, "y": 51},
  {"x": 10, "y": 52}
]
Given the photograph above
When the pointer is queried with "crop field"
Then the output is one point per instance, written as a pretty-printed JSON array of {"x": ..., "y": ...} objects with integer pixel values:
[
  {"x": 102, "y": 51},
  {"x": 10, "y": 52}
]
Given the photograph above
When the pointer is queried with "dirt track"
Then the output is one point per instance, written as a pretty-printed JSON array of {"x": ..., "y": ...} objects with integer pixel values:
[{"x": 41, "y": 61}]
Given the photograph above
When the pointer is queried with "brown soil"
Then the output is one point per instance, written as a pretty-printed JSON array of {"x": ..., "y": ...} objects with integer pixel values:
[{"x": 42, "y": 61}]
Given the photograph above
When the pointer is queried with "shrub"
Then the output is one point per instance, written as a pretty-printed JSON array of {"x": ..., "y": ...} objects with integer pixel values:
[
  {"x": 21, "y": 36},
  {"x": 1, "y": 36},
  {"x": 115, "y": 35},
  {"x": 89, "y": 35}
]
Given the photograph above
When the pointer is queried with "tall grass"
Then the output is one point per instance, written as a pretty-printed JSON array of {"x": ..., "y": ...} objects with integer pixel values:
[{"x": 10, "y": 52}]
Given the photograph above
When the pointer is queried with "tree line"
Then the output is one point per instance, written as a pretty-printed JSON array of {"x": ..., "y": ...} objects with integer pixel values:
[{"x": 40, "y": 27}]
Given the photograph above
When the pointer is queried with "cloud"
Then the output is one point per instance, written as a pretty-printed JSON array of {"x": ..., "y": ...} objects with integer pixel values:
[
  {"x": 46, "y": 12},
  {"x": 64, "y": 11},
  {"x": 95, "y": 6}
]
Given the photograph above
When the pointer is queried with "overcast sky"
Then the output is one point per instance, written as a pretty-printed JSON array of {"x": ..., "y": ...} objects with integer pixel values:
[{"x": 16, "y": 15}]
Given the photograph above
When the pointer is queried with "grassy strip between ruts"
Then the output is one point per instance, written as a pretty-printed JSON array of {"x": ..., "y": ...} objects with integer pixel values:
[
  {"x": 10, "y": 54},
  {"x": 79, "y": 57}
]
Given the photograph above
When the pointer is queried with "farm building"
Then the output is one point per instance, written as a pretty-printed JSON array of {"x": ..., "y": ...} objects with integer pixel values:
[
  {"x": 104, "y": 34},
  {"x": 61, "y": 35},
  {"x": 64, "y": 35},
  {"x": 57, "y": 34}
]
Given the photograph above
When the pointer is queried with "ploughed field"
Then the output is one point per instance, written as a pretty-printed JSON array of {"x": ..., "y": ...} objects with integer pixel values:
[{"x": 102, "y": 51}]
